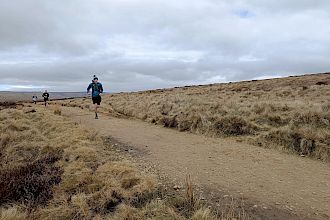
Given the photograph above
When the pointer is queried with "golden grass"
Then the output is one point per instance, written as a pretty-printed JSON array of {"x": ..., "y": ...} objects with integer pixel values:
[
  {"x": 290, "y": 114},
  {"x": 54, "y": 169},
  {"x": 57, "y": 110},
  {"x": 13, "y": 213}
]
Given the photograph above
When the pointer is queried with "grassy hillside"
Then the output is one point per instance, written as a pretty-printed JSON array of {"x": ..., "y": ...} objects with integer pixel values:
[
  {"x": 27, "y": 96},
  {"x": 291, "y": 114},
  {"x": 54, "y": 169}
]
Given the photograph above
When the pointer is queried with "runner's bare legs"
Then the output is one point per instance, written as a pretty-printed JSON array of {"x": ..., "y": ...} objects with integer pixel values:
[{"x": 96, "y": 110}]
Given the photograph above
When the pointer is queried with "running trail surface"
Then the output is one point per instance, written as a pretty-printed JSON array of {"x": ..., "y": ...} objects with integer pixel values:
[{"x": 287, "y": 182}]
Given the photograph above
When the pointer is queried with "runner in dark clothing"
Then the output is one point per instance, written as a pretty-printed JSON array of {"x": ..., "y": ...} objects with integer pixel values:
[
  {"x": 97, "y": 89},
  {"x": 46, "y": 97},
  {"x": 34, "y": 99}
]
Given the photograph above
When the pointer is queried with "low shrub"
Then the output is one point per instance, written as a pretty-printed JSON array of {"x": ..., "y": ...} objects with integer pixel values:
[
  {"x": 294, "y": 140},
  {"x": 169, "y": 122},
  {"x": 184, "y": 125},
  {"x": 234, "y": 126},
  {"x": 30, "y": 183},
  {"x": 312, "y": 118},
  {"x": 271, "y": 119},
  {"x": 57, "y": 111}
]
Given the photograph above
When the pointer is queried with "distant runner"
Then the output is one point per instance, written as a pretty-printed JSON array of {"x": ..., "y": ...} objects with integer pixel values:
[
  {"x": 46, "y": 97},
  {"x": 97, "y": 89},
  {"x": 34, "y": 99}
]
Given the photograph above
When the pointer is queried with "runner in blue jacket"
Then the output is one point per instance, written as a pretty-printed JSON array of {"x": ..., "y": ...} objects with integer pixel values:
[{"x": 97, "y": 89}]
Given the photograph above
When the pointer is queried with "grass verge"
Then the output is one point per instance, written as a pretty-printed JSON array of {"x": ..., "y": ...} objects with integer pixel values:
[{"x": 51, "y": 168}]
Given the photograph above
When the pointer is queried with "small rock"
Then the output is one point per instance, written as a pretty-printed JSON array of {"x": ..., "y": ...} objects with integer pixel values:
[
  {"x": 289, "y": 208},
  {"x": 176, "y": 187}
]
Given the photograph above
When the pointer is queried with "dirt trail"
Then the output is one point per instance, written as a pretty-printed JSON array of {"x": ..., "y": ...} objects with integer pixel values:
[{"x": 279, "y": 180}]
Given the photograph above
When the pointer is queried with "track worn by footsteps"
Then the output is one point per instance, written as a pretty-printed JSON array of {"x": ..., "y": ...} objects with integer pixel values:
[{"x": 276, "y": 180}]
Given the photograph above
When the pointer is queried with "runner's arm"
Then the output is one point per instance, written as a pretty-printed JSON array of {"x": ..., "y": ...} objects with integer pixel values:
[
  {"x": 101, "y": 88},
  {"x": 89, "y": 88}
]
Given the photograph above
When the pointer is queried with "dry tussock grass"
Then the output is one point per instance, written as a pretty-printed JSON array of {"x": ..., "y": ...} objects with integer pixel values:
[
  {"x": 13, "y": 213},
  {"x": 57, "y": 110},
  {"x": 270, "y": 113},
  {"x": 53, "y": 169}
]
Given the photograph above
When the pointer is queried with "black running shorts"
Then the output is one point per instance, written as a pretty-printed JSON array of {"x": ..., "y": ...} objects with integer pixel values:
[{"x": 97, "y": 100}]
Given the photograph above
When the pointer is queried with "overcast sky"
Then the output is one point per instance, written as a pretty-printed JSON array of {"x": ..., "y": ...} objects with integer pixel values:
[{"x": 143, "y": 44}]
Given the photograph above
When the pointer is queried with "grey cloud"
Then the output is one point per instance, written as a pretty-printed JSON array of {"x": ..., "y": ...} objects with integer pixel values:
[{"x": 144, "y": 44}]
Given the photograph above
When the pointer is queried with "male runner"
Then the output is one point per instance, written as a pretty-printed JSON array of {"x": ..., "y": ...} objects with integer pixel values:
[
  {"x": 97, "y": 89},
  {"x": 34, "y": 99},
  {"x": 46, "y": 97}
]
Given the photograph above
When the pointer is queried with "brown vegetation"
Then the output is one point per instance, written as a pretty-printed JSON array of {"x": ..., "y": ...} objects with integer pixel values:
[
  {"x": 54, "y": 169},
  {"x": 291, "y": 113},
  {"x": 27, "y": 183}
]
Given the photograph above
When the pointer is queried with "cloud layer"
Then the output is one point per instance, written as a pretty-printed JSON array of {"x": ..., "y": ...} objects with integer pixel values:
[{"x": 143, "y": 44}]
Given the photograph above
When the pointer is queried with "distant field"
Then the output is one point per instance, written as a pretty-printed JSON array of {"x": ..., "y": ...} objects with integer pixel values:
[
  {"x": 27, "y": 96},
  {"x": 290, "y": 114}
]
